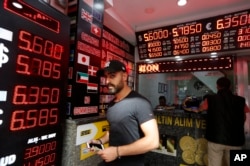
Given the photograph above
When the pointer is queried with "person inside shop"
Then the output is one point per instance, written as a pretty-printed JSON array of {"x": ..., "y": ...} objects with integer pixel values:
[
  {"x": 225, "y": 123},
  {"x": 162, "y": 102},
  {"x": 133, "y": 127}
]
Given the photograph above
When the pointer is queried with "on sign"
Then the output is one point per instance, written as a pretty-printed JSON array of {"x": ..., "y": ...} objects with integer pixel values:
[{"x": 146, "y": 68}]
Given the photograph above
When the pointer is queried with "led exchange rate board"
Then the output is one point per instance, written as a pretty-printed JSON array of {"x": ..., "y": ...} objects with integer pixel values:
[
  {"x": 34, "y": 54},
  {"x": 216, "y": 34}
]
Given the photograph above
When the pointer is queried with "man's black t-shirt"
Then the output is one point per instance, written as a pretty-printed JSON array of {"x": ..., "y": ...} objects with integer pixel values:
[{"x": 125, "y": 118}]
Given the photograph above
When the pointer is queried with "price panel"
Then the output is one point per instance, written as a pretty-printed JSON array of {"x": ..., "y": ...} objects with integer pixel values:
[
  {"x": 217, "y": 34},
  {"x": 34, "y": 53}
]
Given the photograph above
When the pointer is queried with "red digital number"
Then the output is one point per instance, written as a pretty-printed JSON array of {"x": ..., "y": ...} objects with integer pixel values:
[
  {"x": 234, "y": 21},
  {"x": 38, "y": 45},
  {"x": 46, "y": 159},
  {"x": 35, "y": 95},
  {"x": 161, "y": 34},
  {"x": 37, "y": 67},
  {"x": 39, "y": 150},
  {"x": 21, "y": 120},
  {"x": 49, "y": 159},
  {"x": 187, "y": 30}
]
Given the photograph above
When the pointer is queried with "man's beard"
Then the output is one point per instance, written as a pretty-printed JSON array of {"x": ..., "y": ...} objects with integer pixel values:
[{"x": 115, "y": 89}]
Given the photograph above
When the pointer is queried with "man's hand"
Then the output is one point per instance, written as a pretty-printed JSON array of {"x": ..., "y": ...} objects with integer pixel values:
[{"x": 108, "y": 154}]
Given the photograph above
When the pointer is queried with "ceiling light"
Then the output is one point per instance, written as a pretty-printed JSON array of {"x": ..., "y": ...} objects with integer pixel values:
[{"x": 182, "y": 2}]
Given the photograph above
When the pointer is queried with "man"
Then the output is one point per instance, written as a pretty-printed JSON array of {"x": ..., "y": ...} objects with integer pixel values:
[
  {"x": 225, "y": 123},
  {"x": 162, "y": 102},
  {"x": 133, "y": 128}
]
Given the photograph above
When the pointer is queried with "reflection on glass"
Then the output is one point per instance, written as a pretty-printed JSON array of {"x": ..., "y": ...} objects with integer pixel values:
[{"x": 178, "y": 86}]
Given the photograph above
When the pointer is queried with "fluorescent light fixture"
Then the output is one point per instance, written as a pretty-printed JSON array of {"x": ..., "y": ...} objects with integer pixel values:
[
  {"x": 182, "y": 2},
  {"x": 17, "y": 5},
  {"x": 213, "y": 54}
]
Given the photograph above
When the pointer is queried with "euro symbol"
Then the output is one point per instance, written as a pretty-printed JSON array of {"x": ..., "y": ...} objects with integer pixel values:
[{"x": 3, "y": 57}]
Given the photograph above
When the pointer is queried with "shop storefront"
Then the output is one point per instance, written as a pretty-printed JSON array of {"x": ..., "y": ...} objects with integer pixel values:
[{"x": 182, "y": 131}]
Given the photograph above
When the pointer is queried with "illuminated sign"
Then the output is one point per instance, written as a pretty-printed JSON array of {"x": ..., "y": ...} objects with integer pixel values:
[
  {"x": 34, "y": 53},
  {"x": 221, "y": 33},
  {"x": 202, "y": 64}
]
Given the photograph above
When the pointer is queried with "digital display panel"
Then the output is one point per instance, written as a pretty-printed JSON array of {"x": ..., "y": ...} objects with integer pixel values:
[
  {"x": 34, "y": 53},
  {"x": 190, "y": 65},
  {"x": 216, "y": 34}
]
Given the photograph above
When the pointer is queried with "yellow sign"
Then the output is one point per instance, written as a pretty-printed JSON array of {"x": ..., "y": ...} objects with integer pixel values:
[
  {"x": 181, "y": 121},
  {"x": 92, "y": 131}
]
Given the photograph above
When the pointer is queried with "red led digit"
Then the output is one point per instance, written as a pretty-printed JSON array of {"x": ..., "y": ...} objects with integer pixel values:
[
  {"x": 42, "y": 149},
  {"x": 53, "y": 116},
  {"x": 56, "y": 71},
  {"x": 235, "y": 21},
  {"x": 227, "y": 23},
  {"x": 22, "y": 64},
  {"x": 17, "y": 120},
  {"x": 186, "y": 30},
  {"x": 243, "y": 20},
  {"x": 27, "y": 153},
  {"x": 19, "y": 96},
  {"x": 34, "y": 151},
  {"x": 31, "y": 119},
  {"x": 219, "y": 24},
  {"x": 37, "y": 45},
  {"x": 47, "y": 67},
  {"x": 175, "y": 32},
  {"x": 45, "y": 95},
  {"x": 24, "y": 41},
  {"x": 55, "y": 93},
  {"x": 49, "y": 48},
  {"x": 35, "y": 68},
  {"x": 58, "y": 51},
  {"x": 33, "y": 95},
  {"x": 43, "y": 117},
  {"x": 53, "y": 145}
]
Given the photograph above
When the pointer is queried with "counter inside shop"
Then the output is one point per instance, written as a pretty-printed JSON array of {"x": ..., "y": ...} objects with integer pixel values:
[{"x": 182, "y": 139}]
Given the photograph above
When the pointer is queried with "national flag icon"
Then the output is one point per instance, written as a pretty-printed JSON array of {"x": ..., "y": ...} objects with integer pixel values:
[
  {"x": 3, "y": 95},
  {"x": 70, "y": 73},
  {"x": 82, "y": 78},
  {"x": 6, "y": 34},
  {"x": 92, "y": 88},
  {"x": 86, "y": 16},
  {"x": 92, "y": 70},
  {"x": 95, "y": 30},
  {"x": 83, "y": 59},
  {"x": 69, "y": 90}
]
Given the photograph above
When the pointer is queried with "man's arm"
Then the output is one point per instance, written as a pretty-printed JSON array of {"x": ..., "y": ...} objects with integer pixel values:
[{"x": 149, "y": 142}]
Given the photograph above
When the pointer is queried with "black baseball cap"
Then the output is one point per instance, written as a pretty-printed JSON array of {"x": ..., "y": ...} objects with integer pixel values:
[{"x": 112, "y": 66}]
